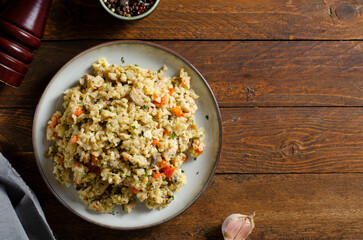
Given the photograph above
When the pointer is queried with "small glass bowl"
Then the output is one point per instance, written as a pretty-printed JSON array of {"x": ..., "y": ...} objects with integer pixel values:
[{"x": 133, "y": 17}]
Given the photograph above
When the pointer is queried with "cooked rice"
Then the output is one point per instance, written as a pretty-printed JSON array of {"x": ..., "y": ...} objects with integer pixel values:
[{"x": 123, "y": 135}]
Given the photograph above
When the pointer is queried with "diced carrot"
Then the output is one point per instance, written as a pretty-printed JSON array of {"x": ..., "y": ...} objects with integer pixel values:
[
  {"x": 78, "y": 111},
  {"x": 166, "y": 132},
  {"x": 148, "y": 71},
  {"x": 55, "y": 120},
  {"x": 161, "y": 103},
  {"x": 183, "y": 83},
  {"x": 199, "y": 151},
  {"x": 157, "y": 175},
  {"x": 171, "y": 91},
  {"x": 96, "y": 207},
  {"x": 185, "y": 158},
  {"x": 135, "y": 190},
  {"x": 55, "y": 134},
  {"x": 156, "y": 142},
  {"x": 125, "y": 157},
  {"x": 94, "y": 160},
  {"x": 74, "y": 139},
  {"x": 61, "y": 161},
  {"x": 163, "y": 163},
  {"x": 168, "y": 171},
  {"x": 177, "y": 111},
  {"x": 77, "y": 164},
  {"x": 155, "y": 95},
  {"x": 75, "y": 181}
]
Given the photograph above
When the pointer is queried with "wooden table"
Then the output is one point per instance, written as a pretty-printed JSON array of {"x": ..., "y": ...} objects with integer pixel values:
[{"x": 288, "y": 77}]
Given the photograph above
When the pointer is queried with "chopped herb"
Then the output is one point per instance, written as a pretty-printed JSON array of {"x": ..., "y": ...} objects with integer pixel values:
[
  {"x": 81, "y": 98},
  {"x": 99, "y": 111},
  {"x": 128, "y": 175},
  {"x": 197, "y": 173},
  {"x": 132, "y": 137},
  {"x": 159, "y": 71},
  {"x": 207, "y": 117},
  {"x": 144, "y": 107},
  {"x": 195, "y": 159},
  {"x": 94, "y": 132},
  {"x": 133, "y": 127},
  {"x": 136, "y": 65},
  {"x": 102, "y": 183},
  {"x": 122, "y": 170},
  {"x": 155, "y": 129},
  {"x": 122, "y": 60},
  {"x": 145, "y": 172},
  {"x": 182, "y": 171},
  {"x": 111, "y": 143},
  {"x": 173, "y": 136},
  {"x": 113, "y": 212},
  {"x": 123, "y": 208}
]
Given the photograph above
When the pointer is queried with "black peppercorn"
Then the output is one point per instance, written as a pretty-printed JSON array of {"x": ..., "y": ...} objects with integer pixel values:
[{"x": 129, "y": 8}]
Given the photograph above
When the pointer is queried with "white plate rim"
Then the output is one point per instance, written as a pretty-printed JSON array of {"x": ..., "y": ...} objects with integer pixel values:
[{"x": 51, "y": 82}]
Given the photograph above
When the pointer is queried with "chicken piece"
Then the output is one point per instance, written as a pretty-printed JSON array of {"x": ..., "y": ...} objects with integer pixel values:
[
  {"x": 135, "y": 96},
  {"x": 188, "y": 105}
]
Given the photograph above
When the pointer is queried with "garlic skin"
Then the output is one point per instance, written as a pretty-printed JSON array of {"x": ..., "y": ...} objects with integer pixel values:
[{"x": 237, "y": 226}]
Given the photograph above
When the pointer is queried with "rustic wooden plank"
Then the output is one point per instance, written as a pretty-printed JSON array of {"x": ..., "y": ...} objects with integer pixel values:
[
  {"x": 256, "y": 140},
  {"x": 292, "y": 140},
  {"x": 303, "y": 73},
  {"x": 203, "y": 19},
  {"x": 287, "y": 206}
]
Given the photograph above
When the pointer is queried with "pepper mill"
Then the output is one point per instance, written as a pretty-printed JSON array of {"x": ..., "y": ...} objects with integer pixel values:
[{"x": 22, "y": 24}]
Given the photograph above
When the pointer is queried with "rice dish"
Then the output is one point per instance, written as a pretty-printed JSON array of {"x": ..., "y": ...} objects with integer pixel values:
[{"x": 123, "y": 135}]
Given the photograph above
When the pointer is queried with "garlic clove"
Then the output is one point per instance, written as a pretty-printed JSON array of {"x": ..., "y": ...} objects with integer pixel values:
[{"x": 237, "y": 226}]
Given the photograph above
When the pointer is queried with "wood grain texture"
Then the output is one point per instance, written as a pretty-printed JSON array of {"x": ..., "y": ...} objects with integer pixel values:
[
  {"x": 287, "y": 206},
  {"x": 301, "y": 73},
  {"x": 203, "y": 19},
  {"x": 259, "y": 140},
  {"x": 256, "y": 140}
]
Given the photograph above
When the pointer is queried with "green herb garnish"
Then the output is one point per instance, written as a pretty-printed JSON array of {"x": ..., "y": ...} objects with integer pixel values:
[
  {"x": 145, "y": 172},
  {"x": 207, "y": 117},
  {"x": 195, "y": 159},
  {"x": 122, "y": 170},
  {"x": 133, "y": 127},
  {"x": 122, "y": 60},
  {"x": 182, "y": 171},
  {"x": 132, "y": 137},
  {"x": 197, "y": 173},
  {"x": 136, "y": 65},
  {"x": 159, "y": 71},
  {"x": 173, "y": 136},
  {"x": 144, "y": 107}
]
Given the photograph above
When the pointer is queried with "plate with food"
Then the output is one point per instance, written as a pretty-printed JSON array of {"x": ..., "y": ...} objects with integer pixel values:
[{"x": 127, "y": 134}]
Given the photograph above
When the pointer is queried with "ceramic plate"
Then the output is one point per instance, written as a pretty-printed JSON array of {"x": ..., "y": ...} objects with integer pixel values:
[{"x": 150, "y": 56}]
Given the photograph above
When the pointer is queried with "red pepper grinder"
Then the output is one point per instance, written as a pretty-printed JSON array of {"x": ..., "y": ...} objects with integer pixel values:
[{"x": 22, "y": 25}]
